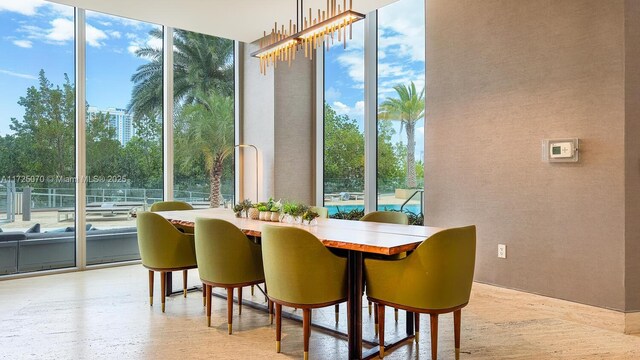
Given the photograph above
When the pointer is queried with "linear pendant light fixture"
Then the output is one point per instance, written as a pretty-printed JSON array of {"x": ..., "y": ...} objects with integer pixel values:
[{"x": 330, "y": 25}]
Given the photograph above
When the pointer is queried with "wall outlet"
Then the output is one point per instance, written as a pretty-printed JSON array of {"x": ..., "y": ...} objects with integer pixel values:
[{"x": 502, "y": 251}]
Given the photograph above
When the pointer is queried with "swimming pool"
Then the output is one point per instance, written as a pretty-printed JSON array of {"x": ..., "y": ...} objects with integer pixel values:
[{"x": 333, "y": 209}]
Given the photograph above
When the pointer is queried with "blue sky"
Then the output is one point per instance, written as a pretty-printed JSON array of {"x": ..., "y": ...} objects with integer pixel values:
[
  {"x": 36, "y": 35},
  {"x": 401, "y": 52}
]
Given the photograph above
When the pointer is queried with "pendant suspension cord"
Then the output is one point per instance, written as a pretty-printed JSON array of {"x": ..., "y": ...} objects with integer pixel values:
[{"x": 301, "y": 16}]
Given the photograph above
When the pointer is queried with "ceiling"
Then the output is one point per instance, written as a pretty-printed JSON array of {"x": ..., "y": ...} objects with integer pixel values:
[{"x": 243, "y": 20}]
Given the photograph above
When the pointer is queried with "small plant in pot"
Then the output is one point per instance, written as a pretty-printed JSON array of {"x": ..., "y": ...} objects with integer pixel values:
[
  {"x": 264, "y": 212},
  {"x": 246, "y": 206},
  {"x": 309, "y": 217},
  {"x": 253, "y": 212},
  {"x": 275, "y": 211},
  {"x": 238, "y": 209}
]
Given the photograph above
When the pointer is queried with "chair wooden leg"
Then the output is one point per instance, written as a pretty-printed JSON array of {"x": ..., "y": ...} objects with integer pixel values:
[
  {"x": 380, "y": 312},
  {"x": 208, "y": 300},
  {"x": 416, "y": 323},
  {"x": 163, "y": 284},
  {"x": 375, "y": 318},
  {"x": 239, "y": 301},
  {"x": 204, "y": 294},
  {"x": 184, "y": 283},
  {"x": 270, "y": 308},
  {"x": 337, "y": 311},
  {"x": 456, "y": 330},
  {"x": 229, "y": 310},
  {"x": 434, "y": 336},
  {"x": 251, "y": 290},
  {"x": 150, "y": 287},
  {"x": 395, "y": 314},
  {"x": 306, "y": 329},
  {"x": 278, "y": 326}
]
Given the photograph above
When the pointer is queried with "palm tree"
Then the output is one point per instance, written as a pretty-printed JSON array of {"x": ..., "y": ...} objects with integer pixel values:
[
  {"x": 205, "y": 130},
  {"x": 408, "y": 108},
  {"x": 202, "y": 89},
  {"x": 202, "y": 64}
]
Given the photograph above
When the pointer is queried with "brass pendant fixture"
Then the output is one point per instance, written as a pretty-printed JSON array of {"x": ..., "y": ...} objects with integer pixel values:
[{"x": 329, "y": 26}]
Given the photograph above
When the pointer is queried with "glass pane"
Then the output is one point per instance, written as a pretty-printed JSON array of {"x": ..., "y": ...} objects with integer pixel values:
[
  {"x": 37, "y": 137},
  {"x": 124, "y": 132},
  {"x": 203, "y": 119},
  {"x": 401, "y": 82},
  {"x": 344, "y": 126}
]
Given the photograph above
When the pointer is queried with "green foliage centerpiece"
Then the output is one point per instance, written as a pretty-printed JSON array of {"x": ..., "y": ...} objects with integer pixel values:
[{"x": 243, "y": 206}]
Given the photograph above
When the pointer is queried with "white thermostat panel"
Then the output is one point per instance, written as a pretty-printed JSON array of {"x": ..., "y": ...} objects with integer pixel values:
[{"x": 560, "y": 150}]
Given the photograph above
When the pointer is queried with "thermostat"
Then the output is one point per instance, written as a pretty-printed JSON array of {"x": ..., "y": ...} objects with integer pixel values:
[{"x": 560, "y": 150}]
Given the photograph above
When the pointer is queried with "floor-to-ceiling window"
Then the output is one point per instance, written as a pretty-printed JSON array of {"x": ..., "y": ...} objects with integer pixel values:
[
  {"x": 37, "y": 137},
  {"x": 344, "y": 125},
  {"x": 203, "y": 78},
  {"x": 401, "y": 107},
  {"x": 123, "y": 131},
  {"x": 396, "y": 70}
]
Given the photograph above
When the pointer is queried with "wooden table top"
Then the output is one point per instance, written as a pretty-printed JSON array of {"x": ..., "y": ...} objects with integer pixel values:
[{"x": 370, "y": 237}]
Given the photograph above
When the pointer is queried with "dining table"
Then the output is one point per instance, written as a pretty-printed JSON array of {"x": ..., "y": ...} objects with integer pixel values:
[{"x": 357, "y": 238}]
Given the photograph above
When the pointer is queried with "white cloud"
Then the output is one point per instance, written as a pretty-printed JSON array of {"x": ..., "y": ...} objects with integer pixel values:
[
  {"x": 114, "y": 34},
  {"x": 133, "y": 48},
  {"x": 95, "y": 35},
  {"x": 61, "y": 10},
  {"x": 61, "y": 30},
  {"x": 355, "y": 112},
  {"x": 24, "y": 7},
  {"x": 18, "y": 75},
  {"x": 154, "y": 43},
  {"x": 110, "y": 19},
  {"x": 353, "y": 61},
  {"x": 135, "y": 44},
  {"x": 331, "y": 94},
  {"x": 401, "y": 29},
  {"x": 23, "y": 43}
]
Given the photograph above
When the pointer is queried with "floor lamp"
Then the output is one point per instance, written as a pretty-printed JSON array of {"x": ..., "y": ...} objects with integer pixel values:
[{"x": 256, "y": 150}]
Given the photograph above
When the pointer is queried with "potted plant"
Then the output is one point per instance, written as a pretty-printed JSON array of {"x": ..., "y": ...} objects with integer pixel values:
[
  {"x": 237, "y": 209},
  {"x": 275, "y": 211},
  {"x": 253, "y": 212},
  {"x": 246, "y": 206},
  {"x": 309, "y": 217},
  {"x": 264, "y": 211}
]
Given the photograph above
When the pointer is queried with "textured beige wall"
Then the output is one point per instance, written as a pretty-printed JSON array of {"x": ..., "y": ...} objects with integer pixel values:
[
  {"x": 501, "y": 76},
  {"x": 632, "y": 156},
  {"x": 277, "y": 117},
  {"x": 257, "y": 124},
  {"x": 294, "y": 130}
]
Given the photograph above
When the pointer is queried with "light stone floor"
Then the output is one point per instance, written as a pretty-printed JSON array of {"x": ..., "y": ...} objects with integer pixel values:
[{"x": 104, "y": 314}]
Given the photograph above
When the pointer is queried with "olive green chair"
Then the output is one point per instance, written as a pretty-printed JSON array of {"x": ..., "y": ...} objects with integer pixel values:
[
  {"x": 163, "y": 248},
  {"x": 323, "y": 212},
  {"x": 301, "y": 272},
  {"x": 227, "y": 259},
  {"x": 440, "y": 272},
  {"x": 170, "y": 206},
  {"x": 175, "y": 206},
  {"x": 387, "y": 217}
]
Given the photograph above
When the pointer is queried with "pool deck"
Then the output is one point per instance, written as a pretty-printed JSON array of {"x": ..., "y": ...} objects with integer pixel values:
[{"x": 48, "y": 220}]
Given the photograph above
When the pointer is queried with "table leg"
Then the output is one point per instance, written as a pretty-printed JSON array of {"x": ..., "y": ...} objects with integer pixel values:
[
  {"x": 409, "y": 324},
  {"x": 169, "y": 283},
  {"x": 354, "y": 303}
]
